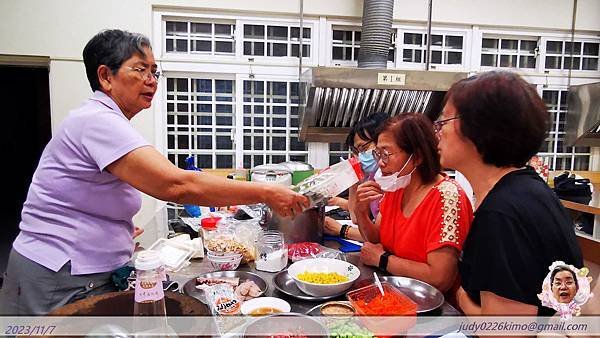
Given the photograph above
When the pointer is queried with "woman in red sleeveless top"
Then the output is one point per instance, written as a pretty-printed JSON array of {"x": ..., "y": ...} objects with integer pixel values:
[{"x": 424, "y": 215}]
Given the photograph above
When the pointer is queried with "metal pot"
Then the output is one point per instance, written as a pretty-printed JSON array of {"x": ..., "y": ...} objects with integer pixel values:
[
  {"x": 300, "y": 170},
  {"x": 272, "y": 173},
  {"x": 305, "y": 227}
]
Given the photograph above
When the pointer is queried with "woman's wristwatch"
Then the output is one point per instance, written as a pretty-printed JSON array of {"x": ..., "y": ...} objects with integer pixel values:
[
  {"x": 344, "y": 231},
  {"x": 383, "y": 261}
]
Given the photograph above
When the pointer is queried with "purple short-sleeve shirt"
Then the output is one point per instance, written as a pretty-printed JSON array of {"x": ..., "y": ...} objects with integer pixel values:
[{"x": 75, "y": 210}]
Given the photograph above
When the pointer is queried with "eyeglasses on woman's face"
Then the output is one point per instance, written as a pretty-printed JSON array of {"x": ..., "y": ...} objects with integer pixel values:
[
  {"x": 145, "y": 73},
  {"x": 439, "y": 124},
  {"x": 382, "y": 155},
  {"x": 361, "y": 147}
]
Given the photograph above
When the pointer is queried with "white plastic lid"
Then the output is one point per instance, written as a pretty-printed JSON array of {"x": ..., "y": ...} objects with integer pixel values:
[
  {"x": 147, "y": 260},
  {"x": 173, "y": 255}
]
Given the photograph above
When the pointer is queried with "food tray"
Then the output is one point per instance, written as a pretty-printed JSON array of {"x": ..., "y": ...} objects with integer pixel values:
[{"x": 286, "y": 284}]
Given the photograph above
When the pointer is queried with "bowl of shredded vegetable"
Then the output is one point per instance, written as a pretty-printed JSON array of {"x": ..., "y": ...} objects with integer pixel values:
[{"x": 323, "y": 277}]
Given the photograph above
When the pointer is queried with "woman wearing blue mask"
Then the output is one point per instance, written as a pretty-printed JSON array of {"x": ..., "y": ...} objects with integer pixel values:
[
  {"x": 361, "y": 140},
  {"x": 424, "y": 215}
]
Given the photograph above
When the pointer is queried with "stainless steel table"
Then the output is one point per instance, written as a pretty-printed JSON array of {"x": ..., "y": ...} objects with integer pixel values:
[{"x": 200, "y": 266}]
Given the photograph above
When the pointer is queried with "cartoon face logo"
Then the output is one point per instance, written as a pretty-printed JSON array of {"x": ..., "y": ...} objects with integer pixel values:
[
  {"x": 564, "y": 284},
  {"x": 565, "y": 289}
]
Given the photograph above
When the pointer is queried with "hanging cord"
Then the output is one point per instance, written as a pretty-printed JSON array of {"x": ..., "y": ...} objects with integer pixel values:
[
  {"x": 573, "y": 19},
  {"x": 428, "y": 50}
]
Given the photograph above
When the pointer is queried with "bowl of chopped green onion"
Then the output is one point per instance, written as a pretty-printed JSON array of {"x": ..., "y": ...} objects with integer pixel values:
[{"x": 323, "y": 277}]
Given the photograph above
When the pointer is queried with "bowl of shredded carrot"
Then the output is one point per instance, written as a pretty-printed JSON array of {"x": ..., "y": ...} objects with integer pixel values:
[
  {"x": 390, "y": 313},
  {"x": 323, "y": 277},
  {"x": 369, "y": 301}
]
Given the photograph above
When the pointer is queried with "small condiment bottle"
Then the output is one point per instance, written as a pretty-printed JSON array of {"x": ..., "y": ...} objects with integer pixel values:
[
  {"x": 149, "y": 294},
  {"x": 208, "y": 225}
]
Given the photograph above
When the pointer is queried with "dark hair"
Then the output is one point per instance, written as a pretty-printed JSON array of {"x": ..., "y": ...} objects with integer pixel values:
[
  {"x": 111, "y": 48},
  {"x": 367, "y": 128},
  {"x": 563, "y": 268},
  {"x": 502, "y": 115},
  {"x": 414, "y": 134}
]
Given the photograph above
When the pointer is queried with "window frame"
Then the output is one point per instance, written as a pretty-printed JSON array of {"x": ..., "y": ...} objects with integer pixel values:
[
  {"x": 554, "y": 155},
  {"x": 465, "y": 50},
  {"x": 159, "y": 42},
  {"x": 537, "y": 55},
  {"x": 567, "y": 39},
  {"x": 355, "y": 27}
]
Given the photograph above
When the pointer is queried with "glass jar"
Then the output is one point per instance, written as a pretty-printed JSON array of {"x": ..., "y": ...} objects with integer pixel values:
[{"x": 271, "y": 252}]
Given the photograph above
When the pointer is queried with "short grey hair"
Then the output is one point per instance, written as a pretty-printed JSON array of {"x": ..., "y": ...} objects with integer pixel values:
[{"x": 111, "y": 48}]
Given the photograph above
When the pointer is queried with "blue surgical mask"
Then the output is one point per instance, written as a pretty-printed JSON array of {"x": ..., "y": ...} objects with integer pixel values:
[{"x": 367, "y": 161}]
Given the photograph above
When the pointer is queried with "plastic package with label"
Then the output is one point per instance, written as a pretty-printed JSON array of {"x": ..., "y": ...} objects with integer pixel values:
[
  {"x": 304, "y": 250},
  {"x": 235, "y": 236},
  {"x": 225, "y": 306},
  {"x": 174, "y": 255},
  {"x": 330, "y": 182}
]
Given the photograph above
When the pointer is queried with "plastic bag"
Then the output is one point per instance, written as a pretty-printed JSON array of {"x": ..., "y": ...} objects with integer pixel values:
[
  {"x": 304, "y": 250},
  {"x": 573, "y": 188},
  {"x": 300, "y": 251},
  {"x": 235, "y": 236},
  {"x": 330, "y": 182}
]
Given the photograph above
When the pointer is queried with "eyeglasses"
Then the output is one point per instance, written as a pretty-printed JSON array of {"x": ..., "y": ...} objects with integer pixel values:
[
  {"x": 568, "y": 283},
  {"x": 382, "y": 155},
  {"x": 361, "y": 147},
  {"x": 145, "y": 73},
  {"x": 437, "y": 125}
]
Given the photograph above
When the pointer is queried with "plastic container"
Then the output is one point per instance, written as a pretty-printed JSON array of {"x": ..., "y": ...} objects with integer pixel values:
[
  {"x": 208, "y": 226},
  {"x": 372, "y": 307},
  {"x": 149, "y": 295},
  {"x": 173, "y": 255},
  {"x": 271, "y": 252},
  {"x": 368, "y": 301}
]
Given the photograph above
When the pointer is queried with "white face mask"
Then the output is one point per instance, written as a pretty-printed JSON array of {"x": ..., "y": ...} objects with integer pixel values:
[{"x": 394, "y": 182}]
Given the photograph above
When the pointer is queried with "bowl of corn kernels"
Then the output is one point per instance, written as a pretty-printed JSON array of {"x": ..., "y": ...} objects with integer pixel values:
[{"x": 323, "y": 277}]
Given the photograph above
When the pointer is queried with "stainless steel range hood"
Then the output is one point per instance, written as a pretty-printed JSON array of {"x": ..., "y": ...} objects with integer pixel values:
[
  {"x": 336, "y": 98},
  {"x": 583, "y": 118}
]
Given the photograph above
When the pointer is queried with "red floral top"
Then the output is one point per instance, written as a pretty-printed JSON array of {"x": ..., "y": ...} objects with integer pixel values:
[{"x": 441, "y": 219}]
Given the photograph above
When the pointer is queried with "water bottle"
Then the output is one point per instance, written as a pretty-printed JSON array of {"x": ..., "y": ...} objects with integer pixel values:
[
  {"x": 192, "y": 210},
  {"x": 149, "y": 294}
]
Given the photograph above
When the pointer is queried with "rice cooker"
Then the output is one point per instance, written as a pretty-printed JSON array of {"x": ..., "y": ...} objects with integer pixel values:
[
  {"x": 272, "y": 173},
  {"x": 300, "y": 171}
]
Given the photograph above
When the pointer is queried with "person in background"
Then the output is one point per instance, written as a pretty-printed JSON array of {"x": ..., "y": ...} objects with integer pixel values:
[
  {"x": 424, "y": 215},
  {"x": 76, "y": 225},
  {"x": 491, "y": 124},
  {"x": 361, "y": 140}
]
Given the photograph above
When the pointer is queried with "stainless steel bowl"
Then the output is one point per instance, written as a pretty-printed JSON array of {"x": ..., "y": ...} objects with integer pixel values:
[
  {"x": 424, "y": 295},
  {"x": 280, "y": 323}
]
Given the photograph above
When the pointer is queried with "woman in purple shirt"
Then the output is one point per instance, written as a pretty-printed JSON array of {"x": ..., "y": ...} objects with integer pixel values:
[{"x": 76, "y": 224}]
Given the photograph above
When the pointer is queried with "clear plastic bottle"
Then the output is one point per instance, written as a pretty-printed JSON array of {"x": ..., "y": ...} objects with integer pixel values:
[{"x": 149, "y": 294}]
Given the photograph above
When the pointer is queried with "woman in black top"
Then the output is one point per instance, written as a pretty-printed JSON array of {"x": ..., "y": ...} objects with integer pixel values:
[{"x": 491, "y": 124}]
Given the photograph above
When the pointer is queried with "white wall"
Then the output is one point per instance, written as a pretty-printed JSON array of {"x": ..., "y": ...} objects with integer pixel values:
[
  {"x": 536, "y": 14},
  {"x": 59, "y": 29}
]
